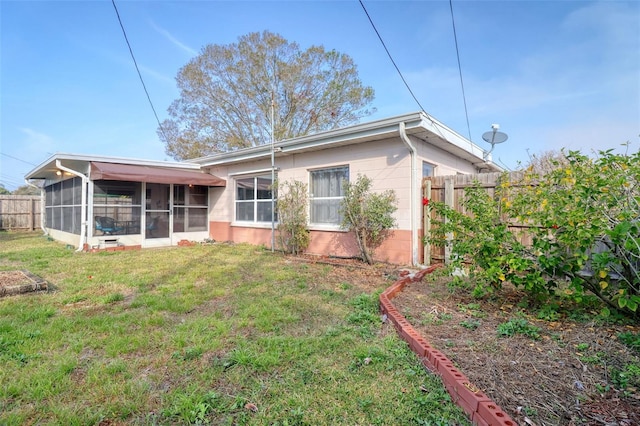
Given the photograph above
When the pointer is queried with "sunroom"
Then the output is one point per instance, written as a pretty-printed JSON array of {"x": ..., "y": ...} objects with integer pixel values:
[{"x": 103, "y": 202}]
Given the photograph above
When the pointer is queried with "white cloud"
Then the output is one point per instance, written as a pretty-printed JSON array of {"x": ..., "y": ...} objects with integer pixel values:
[
  {"x": 172, "y": 39},
  {"x": 36, "y": 142},
  {"x": 157, "y": 75}
]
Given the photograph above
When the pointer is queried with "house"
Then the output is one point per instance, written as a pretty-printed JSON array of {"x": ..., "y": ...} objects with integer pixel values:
[{"x": 94, "y": 201}]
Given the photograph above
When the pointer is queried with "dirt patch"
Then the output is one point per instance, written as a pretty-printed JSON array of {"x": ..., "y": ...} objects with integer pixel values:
[
  {"x": 559, "y": 372},
  {"x": 19, "y": 282}
]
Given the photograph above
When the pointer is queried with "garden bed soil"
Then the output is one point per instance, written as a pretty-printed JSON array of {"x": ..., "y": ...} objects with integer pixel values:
[
  {"x": 562, "y": 377},
  {"x": 19, "y": 282}
]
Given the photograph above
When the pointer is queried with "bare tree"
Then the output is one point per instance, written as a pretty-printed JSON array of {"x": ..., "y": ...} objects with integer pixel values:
[
  {"x": 227, "y": 94},
  {"x": 546, "y": 162}
]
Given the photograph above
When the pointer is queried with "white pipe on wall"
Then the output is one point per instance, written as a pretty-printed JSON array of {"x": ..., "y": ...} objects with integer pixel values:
[{"x": 414, "y": 193}]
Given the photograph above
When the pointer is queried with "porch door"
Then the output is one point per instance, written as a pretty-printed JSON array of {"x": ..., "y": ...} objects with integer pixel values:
[{"x": 158, "y": 230}]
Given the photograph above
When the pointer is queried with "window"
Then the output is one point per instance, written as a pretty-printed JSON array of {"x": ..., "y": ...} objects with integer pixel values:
[
  {"x": 253, "y": 199},
  {"x": 190, "y": 207},
  {"x": 120, "y": 201},
  {"x": 326, "y": 195},
  {"x": 63, "y": 205},
  {"x": 427, "y": 169}
]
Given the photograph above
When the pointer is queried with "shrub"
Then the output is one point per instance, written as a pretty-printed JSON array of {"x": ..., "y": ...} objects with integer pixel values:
[
  {"x": 369, "y": 215},
  {"x": 293, "y": 235},
  {"x": 584, "y": 220},
  {"x": 481, "y": 238}
]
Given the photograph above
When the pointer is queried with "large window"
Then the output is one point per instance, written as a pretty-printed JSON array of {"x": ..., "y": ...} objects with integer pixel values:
[
  {"x": 120, "y": 203},
  {"x": 63, "y": 205},
  {"x": 190, "y": 207},
  {"x": 253, "y": 199},
  {"x": 326, "y": 195}
]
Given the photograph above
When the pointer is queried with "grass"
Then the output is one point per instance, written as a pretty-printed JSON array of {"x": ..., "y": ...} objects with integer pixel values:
[
  {"x": 211, "y": 334},
  {"x": 518, "y": 326}
]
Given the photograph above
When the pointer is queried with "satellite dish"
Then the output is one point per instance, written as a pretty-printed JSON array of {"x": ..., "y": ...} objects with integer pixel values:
[{"x": 494, "y": 137}]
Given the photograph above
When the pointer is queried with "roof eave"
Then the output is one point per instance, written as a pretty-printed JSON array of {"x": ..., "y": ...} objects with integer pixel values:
[
  {"x": 415, "y": 124},
  {"x": 50, "y": 163}
]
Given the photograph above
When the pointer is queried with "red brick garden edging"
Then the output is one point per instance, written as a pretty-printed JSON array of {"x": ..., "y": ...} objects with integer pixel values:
[{"x": 479, "y": 407}]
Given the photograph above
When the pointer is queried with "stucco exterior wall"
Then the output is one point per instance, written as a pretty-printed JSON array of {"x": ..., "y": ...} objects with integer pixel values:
[
  {"x": 387, "y": 162},
  {"x": 445, "y": 162}
]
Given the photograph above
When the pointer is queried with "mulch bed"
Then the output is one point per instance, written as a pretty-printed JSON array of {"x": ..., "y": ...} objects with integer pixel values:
[{"x": 561, "y": 378}]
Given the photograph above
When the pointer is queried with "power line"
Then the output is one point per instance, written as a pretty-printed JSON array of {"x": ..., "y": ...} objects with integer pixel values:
[
  {"x": 464, "y": 98},
  {"x": 138, "y": 70},
  {"x": 435, "y": 126},
  {"x": 18, "y": 159},
  {"x": 391, "y": 58},
  {"x": 10, "y": 180}
]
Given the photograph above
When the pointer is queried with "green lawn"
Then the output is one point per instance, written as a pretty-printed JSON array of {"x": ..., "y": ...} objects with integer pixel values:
[{"x": 211, "y": 334}]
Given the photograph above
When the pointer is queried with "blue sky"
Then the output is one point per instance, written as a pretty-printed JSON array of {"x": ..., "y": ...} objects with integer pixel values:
[{"x": 553, "y": 74}]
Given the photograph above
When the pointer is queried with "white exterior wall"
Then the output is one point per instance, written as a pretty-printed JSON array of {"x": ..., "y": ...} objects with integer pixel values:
[
  {"x": 386, "y": 162},
  {"x": 445, "y": 162}
]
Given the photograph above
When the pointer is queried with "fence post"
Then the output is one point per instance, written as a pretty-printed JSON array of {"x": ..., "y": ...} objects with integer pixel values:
[
  {"x": 426, "y": 214},
  {"x": 32, "y": 214},
  {"x": 448, "y": 200}
]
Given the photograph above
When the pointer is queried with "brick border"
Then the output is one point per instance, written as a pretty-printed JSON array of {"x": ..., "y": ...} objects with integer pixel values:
[
  {"x": 89, "y": 249},
  {"x": 480, "y": 409}
]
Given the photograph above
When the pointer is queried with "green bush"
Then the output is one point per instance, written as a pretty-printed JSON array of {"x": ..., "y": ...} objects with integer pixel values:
[
  {"x": 583, "y": 216},
  {"x": 369, "y": 215},
  {"x": 293, "y": 235}
]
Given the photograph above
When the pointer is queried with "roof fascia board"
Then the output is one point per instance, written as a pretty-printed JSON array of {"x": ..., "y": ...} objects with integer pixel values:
[
  {"x": 51, "y": 161},
  {"x": 453, "y": 137},
  {"x": 378, "y": 128}
]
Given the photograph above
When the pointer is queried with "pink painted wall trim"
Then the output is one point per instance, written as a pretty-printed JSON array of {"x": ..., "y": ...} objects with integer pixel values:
[{"x": 396, "y": 249}]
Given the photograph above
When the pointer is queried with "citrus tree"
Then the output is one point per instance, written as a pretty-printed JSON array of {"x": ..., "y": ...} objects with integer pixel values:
[
  {"x": 583, "y": 219},
  {"x": 483, "y": 245},
  {"x": 586, "y": 224}
]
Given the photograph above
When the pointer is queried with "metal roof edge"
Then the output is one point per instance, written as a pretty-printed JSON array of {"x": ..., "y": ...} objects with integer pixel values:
[
  {"x": 326, "y": 138},
  {"x": 453, "y": 137},
  {"x": 417, "y": 120},
  {"x": 109, "y": 159}
]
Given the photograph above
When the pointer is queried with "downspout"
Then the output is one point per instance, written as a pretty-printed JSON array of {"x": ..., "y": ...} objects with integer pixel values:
[
  {"x": 83, "y": 208},
  {"x": 414, "y": 193},
  {"x": 42, "y": 205}
]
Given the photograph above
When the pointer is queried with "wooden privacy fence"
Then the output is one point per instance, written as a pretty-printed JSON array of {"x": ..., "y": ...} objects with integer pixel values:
[
  {"x": 20, "y": 212},
  {"x": 450, "y": 190}
]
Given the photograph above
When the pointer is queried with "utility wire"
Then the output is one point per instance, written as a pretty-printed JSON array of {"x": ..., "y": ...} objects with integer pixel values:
[
  {"x": 391, "y": 58},
  {"x": 138, "y": 70},
  {"x": 16, "y": 158},
  {"x": 464, "y": 98},
  {"x": 399, "y": 72}
]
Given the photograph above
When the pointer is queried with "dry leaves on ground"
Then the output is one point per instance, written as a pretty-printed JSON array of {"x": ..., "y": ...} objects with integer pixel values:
[{"x": 563, "y": 377}]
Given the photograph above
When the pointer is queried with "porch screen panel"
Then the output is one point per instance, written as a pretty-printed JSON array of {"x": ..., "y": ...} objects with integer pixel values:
[
  {"x": 67, "y": 219},
  {"x": 191, "y": 207},
  {"x": 120, "y": 201},
  {"x": 63, "y": 205}
]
